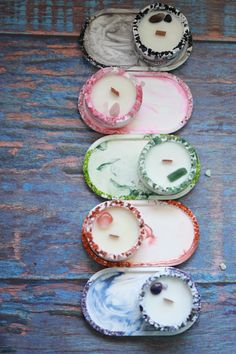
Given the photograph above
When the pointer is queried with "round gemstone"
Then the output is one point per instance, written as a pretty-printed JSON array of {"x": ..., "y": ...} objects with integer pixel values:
[
  {"x": 104, "y": 220},
  {"x": 156, "y": 288}
]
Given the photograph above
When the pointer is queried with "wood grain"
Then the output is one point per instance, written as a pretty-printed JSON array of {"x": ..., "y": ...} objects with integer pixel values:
[
  {"x": 45, "y": 316},
  {"x": 209, "y": 20},
  {"x": 44, "y": 199},
  {"x": 44, "y": 141}
]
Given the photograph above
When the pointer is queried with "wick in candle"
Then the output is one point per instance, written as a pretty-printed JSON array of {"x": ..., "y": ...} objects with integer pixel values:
[
  {"x": 167, "y": 161},
  {"x": 167, "y": 299},
  {"x": 115, "y": 92},
  {"x": 114, "y": 236},
  {"x": 160, "y": 33}
]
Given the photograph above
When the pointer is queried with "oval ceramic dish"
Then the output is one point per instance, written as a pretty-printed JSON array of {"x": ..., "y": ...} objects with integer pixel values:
[
  {"x": 111, "y": 313},
  {"x": 173, "y": 238},
  {"x": 111, "y": 168},
  {"x": 167, "y": 106},
  {"x": 107, "y": 40}
]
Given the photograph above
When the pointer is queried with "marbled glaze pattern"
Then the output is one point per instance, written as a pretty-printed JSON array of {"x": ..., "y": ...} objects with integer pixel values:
[
  {"x": 166, "y": 106},
  {"x": 107, "y": 40},
  {"x": 111, "y": 168},
  {"x": 110, "y": 302}
]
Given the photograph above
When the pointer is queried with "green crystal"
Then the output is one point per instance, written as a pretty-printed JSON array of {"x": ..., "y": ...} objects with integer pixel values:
[{"x": 177, "y": 174}]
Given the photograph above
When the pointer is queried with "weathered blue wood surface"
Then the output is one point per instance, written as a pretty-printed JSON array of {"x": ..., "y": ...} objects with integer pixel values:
[
  {"x": 209, "y": 19},
  {"x": 43, "y": 197}
]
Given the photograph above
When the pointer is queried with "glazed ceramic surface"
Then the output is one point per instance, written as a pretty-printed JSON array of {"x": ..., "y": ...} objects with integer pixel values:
[
  {"x": 172, "y": 238},
  {"x": 111, "y": 168},
  {"x": 110, "y": 302},
  {"x": 167, "y": 106},
  {"x": 107, "y": 40}
]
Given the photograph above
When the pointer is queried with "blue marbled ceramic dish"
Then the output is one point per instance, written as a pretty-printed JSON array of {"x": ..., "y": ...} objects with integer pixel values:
[{"x": 110, "y": 302}]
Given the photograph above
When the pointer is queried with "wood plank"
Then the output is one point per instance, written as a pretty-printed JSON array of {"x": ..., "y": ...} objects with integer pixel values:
[
  {"x": 43, "y": 141},
  {"x": 45, "y": 317},
  {"x": 209, "y": 20}
]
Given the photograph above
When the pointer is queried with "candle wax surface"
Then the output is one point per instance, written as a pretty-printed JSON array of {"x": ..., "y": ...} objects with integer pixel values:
[
  {"x": 169, "y": 313},
  {"x": 102, "y": 96},
  {"x": 158, "y": 171},
  {"x": 147, "y": 32},
  {"x": 124, "y": 224}
]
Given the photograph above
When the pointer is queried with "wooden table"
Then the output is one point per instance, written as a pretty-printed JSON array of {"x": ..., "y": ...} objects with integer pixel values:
[{"x": 43, "y": 197}]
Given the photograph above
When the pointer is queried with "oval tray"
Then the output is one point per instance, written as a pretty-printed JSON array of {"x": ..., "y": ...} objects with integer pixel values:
[
  {"x": 110, "y": 168},
  {"x": 106, "y": 40},
  {"x": 175, "y": 235},
  {"x": 110, "y": 302},
  {"x": 166, "y": 107}
]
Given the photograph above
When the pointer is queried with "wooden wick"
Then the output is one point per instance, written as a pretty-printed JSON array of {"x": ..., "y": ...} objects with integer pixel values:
[
  {"x": 160, "y": 33},
  {"x": 167, "y": 161},
  {"x": 114, "y": 236},
  {"x": 167, "y": 299},
  {"x": 115, "y": 92}
]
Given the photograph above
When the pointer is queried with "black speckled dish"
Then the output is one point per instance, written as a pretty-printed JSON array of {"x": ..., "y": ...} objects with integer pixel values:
[{"x": 107, "y": 40}]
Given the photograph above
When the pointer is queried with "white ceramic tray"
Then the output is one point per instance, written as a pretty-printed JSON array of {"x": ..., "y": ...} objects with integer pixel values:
[
  {"x": 174, "y": 238},
  {"x": 111, "y": 168},
  {"x": 110, "y": 302},
  {"x": 107, "y": 40},
  {"x": 167, "y": 106}
]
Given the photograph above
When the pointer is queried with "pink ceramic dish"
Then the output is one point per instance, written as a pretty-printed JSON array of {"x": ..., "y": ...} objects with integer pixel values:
[
  {"x": 166, "y": 107},
  {"x": 115, "y": 119}
]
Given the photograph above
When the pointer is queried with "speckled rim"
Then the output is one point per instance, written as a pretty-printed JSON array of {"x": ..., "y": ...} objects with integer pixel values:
[
  {"x": 196, "y": 306},
  {"x": 90, "y": 219},
  {"x": 159, "y": 58},
  {"x": 88, "y": 119},
  {"x": 106, "y": 120},
  {"x": 127, "y": 263},
  {"x": 180, "y": 60},
  {"x": 88, "y": 318},
  {"x": 192, "y": 177}
]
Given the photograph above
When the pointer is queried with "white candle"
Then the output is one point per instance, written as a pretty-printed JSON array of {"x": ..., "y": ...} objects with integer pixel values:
[
  {"x": 120, "y": 235},
  {"x": 165, "y": 159},
  {"x": 149, "y": 36},
  {"x": 168, "y": 165},
  {"x": 172, "y": 306},
  {"x": 170, "y": 301},
  {"x": 103, "y": 97},
  {"x": 113, "y": 97},
  {"x": 115, "y": 230},
  {"x": 160, "y": 33}
]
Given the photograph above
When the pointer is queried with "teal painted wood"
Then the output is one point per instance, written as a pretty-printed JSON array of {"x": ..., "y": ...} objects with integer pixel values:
[
  {"x": 208, "y": 19},
  {"x": 43, "y": 197}
]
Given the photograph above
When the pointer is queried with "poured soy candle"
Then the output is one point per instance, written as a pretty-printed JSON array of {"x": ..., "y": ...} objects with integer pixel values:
[
  {"x": 160, "y": 33},
  {"x": 113, "y": 97},
  {"x": 115, "y": 230},
  {"x": 168, "y": 165},
  {"x": 169, "y": 300}
]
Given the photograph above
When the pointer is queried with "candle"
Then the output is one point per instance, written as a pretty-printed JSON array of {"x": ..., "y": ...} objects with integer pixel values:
[
  {"x": 168, "y": 165},
  {"x": 160, "y": 33},
  {"x": 169, "y": 300},
  {"x": 115, "y": 230},
  {"x": 112, "y": 97}
]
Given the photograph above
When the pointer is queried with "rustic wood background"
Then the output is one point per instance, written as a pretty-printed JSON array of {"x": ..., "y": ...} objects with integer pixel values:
[{"x": 43, "y": 197}]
